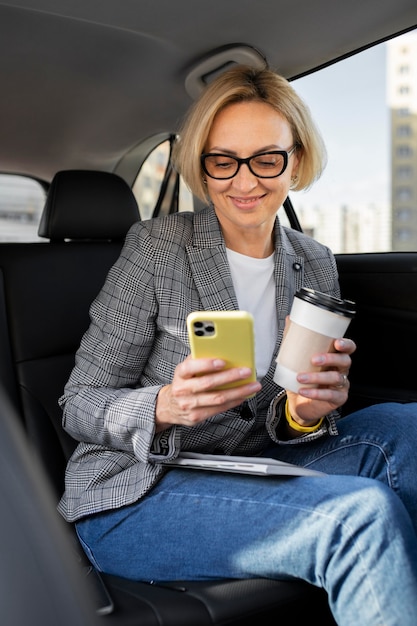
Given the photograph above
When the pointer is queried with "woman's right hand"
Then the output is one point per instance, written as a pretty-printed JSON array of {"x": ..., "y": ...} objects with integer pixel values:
[{"x": 192, "y": 396}]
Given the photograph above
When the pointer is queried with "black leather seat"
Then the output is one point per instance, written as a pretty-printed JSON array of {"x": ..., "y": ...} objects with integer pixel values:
[{"x": 45, "y": 293}]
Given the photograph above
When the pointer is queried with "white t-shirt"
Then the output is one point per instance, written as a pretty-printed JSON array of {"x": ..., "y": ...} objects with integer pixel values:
[{"x": 254, "y": 284}]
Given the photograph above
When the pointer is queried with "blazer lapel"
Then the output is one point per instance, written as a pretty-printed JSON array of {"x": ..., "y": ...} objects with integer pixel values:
[{"x": 209, "y": 266}]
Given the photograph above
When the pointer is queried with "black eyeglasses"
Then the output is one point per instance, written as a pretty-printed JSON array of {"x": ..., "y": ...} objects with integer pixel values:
[{"x": 263, "y": 165}]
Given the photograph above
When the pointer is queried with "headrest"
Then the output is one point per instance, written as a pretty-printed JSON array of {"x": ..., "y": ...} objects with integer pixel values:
[{"x": 87, "y": 204}]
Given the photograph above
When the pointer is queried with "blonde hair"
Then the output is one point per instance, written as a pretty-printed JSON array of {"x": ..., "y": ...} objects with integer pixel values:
[{"x": 239, "y": 84}]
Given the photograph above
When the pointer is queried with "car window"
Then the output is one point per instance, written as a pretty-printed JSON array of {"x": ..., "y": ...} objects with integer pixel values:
[
  {"x": 21, "y": 203},
  {"x": 148, "y": 183},
  {"x": 365, "y": 107},
  {"x": 151, "y": 179}
]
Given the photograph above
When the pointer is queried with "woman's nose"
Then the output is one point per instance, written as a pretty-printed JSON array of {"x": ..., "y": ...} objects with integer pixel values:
[{"x": 244, "y": 178}]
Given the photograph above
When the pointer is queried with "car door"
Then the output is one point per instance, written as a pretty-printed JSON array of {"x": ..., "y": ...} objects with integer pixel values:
[{"x": 384, "y": 286}]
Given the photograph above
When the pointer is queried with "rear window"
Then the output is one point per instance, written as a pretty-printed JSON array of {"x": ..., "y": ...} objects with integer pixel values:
[{"x": 21, "y": 203}]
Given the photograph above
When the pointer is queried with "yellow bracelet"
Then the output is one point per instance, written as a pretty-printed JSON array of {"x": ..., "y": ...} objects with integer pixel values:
[{"x": 295, "y": 426}]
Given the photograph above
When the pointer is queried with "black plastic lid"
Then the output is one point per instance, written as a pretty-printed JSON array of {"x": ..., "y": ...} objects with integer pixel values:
[{"x": 325, "y": 301}]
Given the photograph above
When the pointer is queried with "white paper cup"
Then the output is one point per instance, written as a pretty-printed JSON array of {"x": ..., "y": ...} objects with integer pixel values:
[{"x": 316, "y": 320}]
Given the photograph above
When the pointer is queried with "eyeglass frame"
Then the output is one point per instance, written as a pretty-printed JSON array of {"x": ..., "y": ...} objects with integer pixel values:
[{"x": 284, "y": 153}]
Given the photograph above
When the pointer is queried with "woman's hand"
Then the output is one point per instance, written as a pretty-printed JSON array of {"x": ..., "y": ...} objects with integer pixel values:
[
  {"x": 310, "y": 404},
  {"x": 192, "y": 396}
]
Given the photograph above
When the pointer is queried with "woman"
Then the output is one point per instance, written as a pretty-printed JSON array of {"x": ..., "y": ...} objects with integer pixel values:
[{"x": 136, "y": 399}]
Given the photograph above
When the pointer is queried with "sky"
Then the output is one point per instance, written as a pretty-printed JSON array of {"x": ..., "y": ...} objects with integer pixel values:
[{"x": 348, "y": 102}]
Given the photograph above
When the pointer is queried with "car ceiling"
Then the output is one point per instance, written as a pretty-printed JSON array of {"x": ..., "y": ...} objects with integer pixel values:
[{"x": 84, "y": 82}]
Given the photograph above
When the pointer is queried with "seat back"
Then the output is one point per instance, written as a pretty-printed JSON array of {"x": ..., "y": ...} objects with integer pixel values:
[
  {"x": 40, "y": 578},
  {"x": 46, "y": 291}
]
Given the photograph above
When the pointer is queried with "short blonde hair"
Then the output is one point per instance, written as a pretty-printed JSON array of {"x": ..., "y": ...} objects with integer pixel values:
[{"x": 239, "y": 84}]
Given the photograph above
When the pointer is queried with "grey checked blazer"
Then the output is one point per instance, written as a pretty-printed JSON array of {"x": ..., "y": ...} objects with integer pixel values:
[{"x": 168, "y": 267}]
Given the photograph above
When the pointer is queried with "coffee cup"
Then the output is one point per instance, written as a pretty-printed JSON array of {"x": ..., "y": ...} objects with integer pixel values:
[{"x": 316, "y": 320}]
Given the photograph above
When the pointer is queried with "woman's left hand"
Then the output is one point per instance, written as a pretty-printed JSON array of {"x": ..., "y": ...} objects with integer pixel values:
[{"x": 331, "y": 385}]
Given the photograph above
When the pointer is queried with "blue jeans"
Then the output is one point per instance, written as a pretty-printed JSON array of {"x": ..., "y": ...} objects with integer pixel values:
[{"x": 352, "y": 532}]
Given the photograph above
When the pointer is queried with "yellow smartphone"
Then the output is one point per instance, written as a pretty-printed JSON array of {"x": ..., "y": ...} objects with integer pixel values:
[{"x": 227, "y": 335}]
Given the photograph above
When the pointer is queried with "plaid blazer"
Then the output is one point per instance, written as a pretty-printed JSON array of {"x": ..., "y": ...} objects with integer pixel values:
[{"x": 168, "y": 267}]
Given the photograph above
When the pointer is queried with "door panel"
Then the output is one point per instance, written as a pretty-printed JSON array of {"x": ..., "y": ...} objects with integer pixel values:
[{"x": 384, "y": 286}]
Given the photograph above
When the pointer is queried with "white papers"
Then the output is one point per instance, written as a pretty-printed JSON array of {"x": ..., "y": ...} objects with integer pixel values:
[{"x": 240, "y": 464}]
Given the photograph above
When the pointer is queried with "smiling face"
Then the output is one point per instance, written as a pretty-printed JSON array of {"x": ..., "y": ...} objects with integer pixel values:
[{"x": 246, "y": 205}]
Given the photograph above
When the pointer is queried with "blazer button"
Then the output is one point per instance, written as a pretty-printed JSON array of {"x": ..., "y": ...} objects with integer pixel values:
[
  {"x": 296, "y": 267},
  {"x": 246, "y": 413}
]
